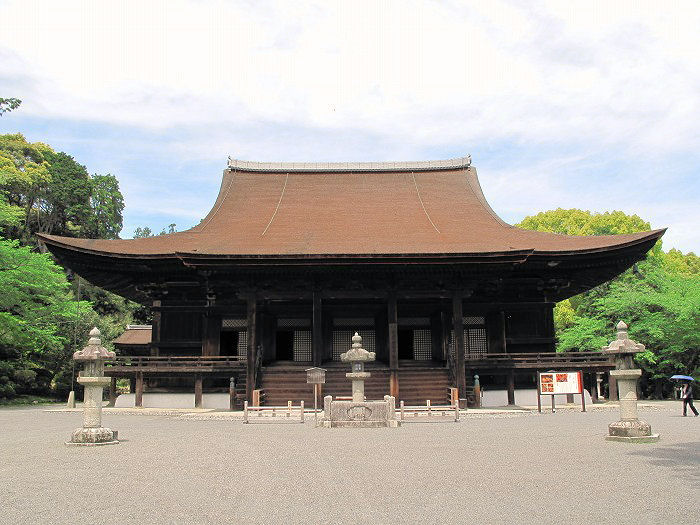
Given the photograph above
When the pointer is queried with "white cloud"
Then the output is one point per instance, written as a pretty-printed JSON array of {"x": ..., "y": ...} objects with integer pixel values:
[
  {"x": 245, "y": 77},
  {"x": 619, "y": 72}
]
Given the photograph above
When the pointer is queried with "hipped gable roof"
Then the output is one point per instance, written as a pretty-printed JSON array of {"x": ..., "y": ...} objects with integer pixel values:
[{"x": 351, "y": 209}]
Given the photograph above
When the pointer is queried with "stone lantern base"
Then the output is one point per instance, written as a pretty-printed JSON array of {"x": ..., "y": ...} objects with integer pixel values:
[
  {"x": 635, "y": 431},
  {"x": 90, "y": 437},
  {"x": 353, "y": 414}
]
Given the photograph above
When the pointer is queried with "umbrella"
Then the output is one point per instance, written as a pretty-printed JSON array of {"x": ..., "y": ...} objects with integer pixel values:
[{"x": 685, "y": 378}]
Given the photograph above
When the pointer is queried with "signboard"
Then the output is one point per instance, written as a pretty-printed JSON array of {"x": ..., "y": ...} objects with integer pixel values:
[
  {"x": 553, "y": 383},
  {"x": 316, "y": 376},
  {"x": 560, "y": 383}
]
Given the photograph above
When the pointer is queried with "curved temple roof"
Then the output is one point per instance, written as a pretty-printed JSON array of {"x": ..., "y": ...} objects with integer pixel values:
[{"x": 351, "y": 209}]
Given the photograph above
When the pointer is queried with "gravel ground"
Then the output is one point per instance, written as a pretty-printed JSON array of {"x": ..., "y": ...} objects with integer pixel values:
[{"x": 499, "y": 468}]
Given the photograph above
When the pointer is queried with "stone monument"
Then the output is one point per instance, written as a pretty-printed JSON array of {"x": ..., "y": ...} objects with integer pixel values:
[
  {"x": 630, "y": 428},
  {"x": 359, "y": 412},
  {"x": 92, "y": 377}
]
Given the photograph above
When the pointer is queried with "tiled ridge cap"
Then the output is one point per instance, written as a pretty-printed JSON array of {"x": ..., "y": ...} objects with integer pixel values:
[{"x": 325, "y": 167}]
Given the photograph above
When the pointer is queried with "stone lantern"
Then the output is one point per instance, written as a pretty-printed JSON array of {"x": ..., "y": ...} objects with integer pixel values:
[
  {"x": 357, "y": 357},
  {"x": 358, "y": 413},
  {"x": 630, "y": 428},
  {"x": 93, "y": 379}
]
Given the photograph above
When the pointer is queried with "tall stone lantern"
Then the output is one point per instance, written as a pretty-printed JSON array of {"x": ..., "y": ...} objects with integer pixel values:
[
  {"x": 357, "y": 357},
  {"x": 92, "y": 377},
  {"x": 630, "y": 428},
  {"x": 358, "y": 413}
]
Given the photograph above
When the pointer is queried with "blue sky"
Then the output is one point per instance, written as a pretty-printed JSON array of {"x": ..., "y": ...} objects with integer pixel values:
[{"x": 594, "y": 105}]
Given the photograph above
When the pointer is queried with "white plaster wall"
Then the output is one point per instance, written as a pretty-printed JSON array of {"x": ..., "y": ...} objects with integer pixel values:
[
  {"x": 526, "y": 397},
  {"x": 174, "y": 400}
]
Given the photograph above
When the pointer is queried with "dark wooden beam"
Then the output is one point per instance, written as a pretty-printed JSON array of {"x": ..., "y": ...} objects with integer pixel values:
[
  {"x": 211, "y": 334},
  {"x": 156, "y": 325},
  {"x": 138, "y": 397},
  {"x": 393, "y": 332},
  {"x": 548, "y": 312},
  {"x": 502, "y": 325},
  {"x": 510, "y": 380},
  {"x": 198, "y": 390},
  {"x": 592, "y": 385},
  {"x": 112, "y": 391},
  {"x": 458, "y": 327},
  {"x": 317, "y": 330},
  {"x": 612, "y": 388},
  {"x": 252, "y": 314}
]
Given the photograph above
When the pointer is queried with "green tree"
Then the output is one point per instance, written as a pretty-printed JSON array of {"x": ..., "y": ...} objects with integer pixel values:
[
  {"x": 64, "y": 206},
  {"x": 107, "y": 205},
  {"x": 659, "y": 299},
  {"x": 140, "y": 233},
  {"x": 36, "y": 312},
  {"x": 24, "y": 175},
  {"x": 49, "y": 192},
  {"x": 9, "y": 104}
]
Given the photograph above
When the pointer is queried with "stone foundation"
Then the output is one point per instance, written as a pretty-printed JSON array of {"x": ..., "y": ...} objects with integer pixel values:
[
  {"x": 352, "y": 414},
  {"x": 634, "y": 431},
  {"x": 93, "y": 437}
]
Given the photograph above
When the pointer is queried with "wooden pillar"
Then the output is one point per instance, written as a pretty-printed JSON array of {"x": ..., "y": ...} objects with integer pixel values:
[
  {"x": 232, "y": 393},
  {"x": 156, "y": 325},
  {"x": 593, "y": 385},
  {"x": 252, "y": 314},
  {"x": 510, "y": 383},
  {"x": 393, "y": 329},
  {"x": 436, "y": 337},
  {"x": 317, "y": 330},
  {"x": 495, "y": 330},
  {"x": 458, "y": 327},
  {"x": 612, "y": 388},
  {"x": 548, "y": 315},
  {"x": 138, "y": 398},
  {"x": 504, "y": 343},
  {"x": 198, "y": 390},
  {"x": 112, "y": 391},
  {"x": 211, "y": 335},
  {"x": 446, "y": 320}
]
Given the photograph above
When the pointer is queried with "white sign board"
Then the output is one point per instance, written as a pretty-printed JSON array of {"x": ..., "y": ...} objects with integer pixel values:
[{"x": 560, "y": 383}]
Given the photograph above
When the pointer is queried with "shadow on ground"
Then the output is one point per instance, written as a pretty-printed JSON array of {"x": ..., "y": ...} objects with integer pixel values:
[{"x": 684, "y": 458}]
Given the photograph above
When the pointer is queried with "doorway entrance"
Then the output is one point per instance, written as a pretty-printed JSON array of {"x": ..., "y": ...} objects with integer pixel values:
[
  {"x": 405, "y": 344},
  {"x": 284, "y": 345}
]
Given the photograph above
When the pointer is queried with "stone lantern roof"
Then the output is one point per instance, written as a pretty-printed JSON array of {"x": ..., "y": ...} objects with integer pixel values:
[
  {"x": 357, "y": 353},
  {"x": 623, "y": 345},
  {"x": 94, "y": 349}
]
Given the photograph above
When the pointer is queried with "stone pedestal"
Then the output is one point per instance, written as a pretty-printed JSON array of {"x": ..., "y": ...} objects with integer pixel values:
[
  {"x": 630, "y": 428},
  {"x": 367, "y": 414},
  {"x": 92, "y": 432}
]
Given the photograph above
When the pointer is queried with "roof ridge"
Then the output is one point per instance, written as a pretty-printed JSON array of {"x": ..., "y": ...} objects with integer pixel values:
[{"x": 323, "y": 167}]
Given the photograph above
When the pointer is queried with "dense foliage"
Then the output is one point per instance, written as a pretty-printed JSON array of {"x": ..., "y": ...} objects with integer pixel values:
[
  {"x": 659, "y": 298},
  {"x": 44, "y": 316},
  {"x": 42, "y": 191}
]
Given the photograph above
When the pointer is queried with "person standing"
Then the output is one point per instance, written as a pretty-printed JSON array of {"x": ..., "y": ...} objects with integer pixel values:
[{"x": 687, "y": 397}]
